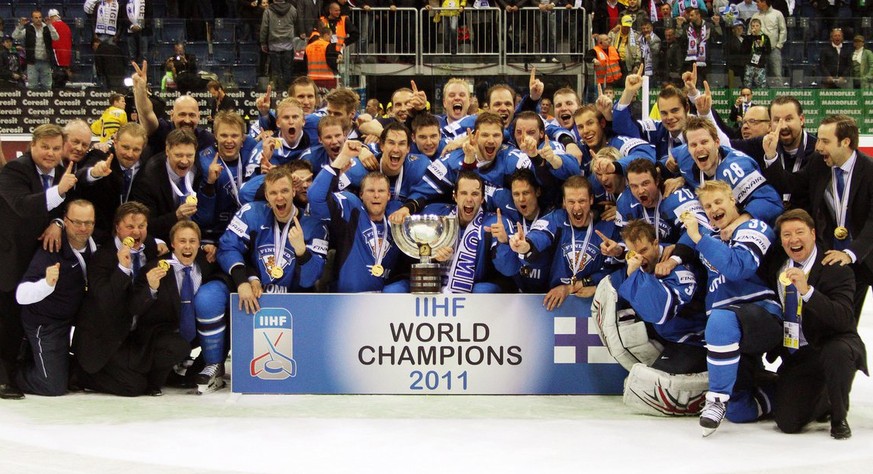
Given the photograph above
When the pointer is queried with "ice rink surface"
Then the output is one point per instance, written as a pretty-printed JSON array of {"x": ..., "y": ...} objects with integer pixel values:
[{"x": 224, "y": 432}]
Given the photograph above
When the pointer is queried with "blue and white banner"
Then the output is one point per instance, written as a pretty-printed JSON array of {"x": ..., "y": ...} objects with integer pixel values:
[{"x": 411, "y": 344}]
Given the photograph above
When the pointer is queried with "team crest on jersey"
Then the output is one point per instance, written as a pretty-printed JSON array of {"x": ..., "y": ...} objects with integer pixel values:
[
  {"x": 266, "y": 254},
  {"x": 273, "y": 345},
  {"x": 707, "y": 264},
  {"x": 576, "y": 254},
  {"x": 374, "y": 242}
]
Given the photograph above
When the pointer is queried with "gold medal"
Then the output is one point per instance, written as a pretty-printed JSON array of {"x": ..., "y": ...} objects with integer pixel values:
[
  {"x": 164, "y": 265},
  {"x": 630, "y": 254},
  {"x": 377, "y": 270},
  {"x": 192, "y": 199},
  {"x": 277, "y": 143},
  {"x": 276, "y": 272},
  {"x": 525, "y": 271},
  {"x": 424, "y": 250},
  {"x": 572, "y": 281},
  {"x": 783, "y": 278},
  {"x": 128, "y": 242},
  {"x": 685, "y": 215},
  {"x": 841, "y": 233}
]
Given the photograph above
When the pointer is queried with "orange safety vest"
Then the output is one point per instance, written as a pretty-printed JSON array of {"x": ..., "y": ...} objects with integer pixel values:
[
  {"x": 340, "y": 32},
  {"x": 316, "y": 60},
  {"x": 608, "y": 71}
]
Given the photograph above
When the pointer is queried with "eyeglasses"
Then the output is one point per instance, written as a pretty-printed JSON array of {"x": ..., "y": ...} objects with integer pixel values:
[
  {"x": 754, "y": 122},
  {"x": 79, "y": 223}
]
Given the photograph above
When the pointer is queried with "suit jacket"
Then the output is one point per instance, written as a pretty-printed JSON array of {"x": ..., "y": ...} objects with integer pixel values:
[
  {"x": 23, "y": 215},
  {"x": 160, "y": 314},
  {"x": 104, "y": 320},
  {"x": 836, "y": 65},
  {"x": 807, "y": 187},
  {"x": 105, "y": 194},
  {"x": 152, "y": 188},
  {"x": 830, "y": 310}
]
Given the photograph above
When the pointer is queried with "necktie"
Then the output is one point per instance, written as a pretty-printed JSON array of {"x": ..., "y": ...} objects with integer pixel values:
[
  {"x": 46, "y": 181},
  {"x": 841, "y": 182},
  {"x": 792, "y": 308},
  {"x": 128, "y": 178},
  {"x": 183, "y": 187},
  {"x": 134, "y": 260},
  {"x": 187, "y": 326}
]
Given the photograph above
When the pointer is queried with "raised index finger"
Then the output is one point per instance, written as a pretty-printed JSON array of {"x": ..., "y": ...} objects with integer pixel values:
[
  {"x": 706, "y": 88},
  {"x": 109, "y": 160},
  {"x": 602, "y": 235},
  {"x": 414, "y": 87},
  {"x": 599, "y": 90},
  {"x": 70, "y": 168},
  {"x": 642, "y": 68},
  {"x": 269, "y": 91},
  {"x": 499, "y": 221},
  {"x": 533, "y": 74}
]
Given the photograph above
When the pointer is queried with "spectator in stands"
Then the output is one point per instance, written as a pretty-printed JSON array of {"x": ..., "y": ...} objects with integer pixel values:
[
  {"x": 746, "y": 9},
  {"x": 220, "y": 100},
  {"x": 741, "y": 105},
  {"x": 548, "y": 28},
  {"x": 106, "y": 15},
  {"x": 113, "y": 118},
  {"x": 186, "y": 72},
  {"x": 627, "y": 42},
  {"x": 308, "y": 13},
  {"x": 139, "y": 14},
  {"x": 757, "y": 47},
  {"x": 650, "y": 48},
  {"x": 343, "y": 31},
  {"x": 862, "y": 64},
  {"x": 277, "y": 39},
  {"x": 734, "y": 55},
  {"x": 607, "y": 67},
  {"x": 250, "y": 13},
  {"x": 835, "y": 62},
  {"x": 168, "y": 82},
  {"x": 672, "y": 58},
  {"x": 665, "y": 19},
  {"x": 10, "y": 65},
  {"x": 773, "y": 25},
  {"x": 109, "y": 64},
  {"x": 607, "y": 15},
  {"x": 693, "y": 33},
  {"x": 637, "y": 13},
  {"x": 546, "y": 109},
  {"x": 520, "y": 38},
  {"x": 322, "y": 57},
  {"x": 63, "y": 48},
  {"x": 39, "y": 56}
]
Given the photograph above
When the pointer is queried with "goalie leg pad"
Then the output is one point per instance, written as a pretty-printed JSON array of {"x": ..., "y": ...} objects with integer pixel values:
[
  {"x": 623, "y": 335},
  {"x": 653, "y": 392}
]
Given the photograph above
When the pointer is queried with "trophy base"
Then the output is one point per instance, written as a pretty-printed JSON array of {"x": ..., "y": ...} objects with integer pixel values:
[{"x": 425, "y": 278}]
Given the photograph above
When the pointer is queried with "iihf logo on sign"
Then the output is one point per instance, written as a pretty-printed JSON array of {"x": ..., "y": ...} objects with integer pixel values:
[{"x": 273, "y": 348}]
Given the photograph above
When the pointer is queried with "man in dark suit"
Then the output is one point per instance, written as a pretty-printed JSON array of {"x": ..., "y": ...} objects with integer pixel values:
[
  {"x": 32, "y": 189},
  {"x": 171, "y": 186},
  {"x": 109, "y": 355},
  {"x": 835, "y": 62},
  {"x": 834, "y": 187},
  {"x": 109, "y": 187},
  {"x": 164, "y": 303},
  {"x": 822, "y": 349}
]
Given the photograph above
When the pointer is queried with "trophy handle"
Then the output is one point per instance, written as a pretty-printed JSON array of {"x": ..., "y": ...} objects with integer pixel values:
[{"x": 449, "y": 235}]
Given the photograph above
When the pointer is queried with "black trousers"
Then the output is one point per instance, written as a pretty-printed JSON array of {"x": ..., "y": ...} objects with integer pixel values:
[
  {"x": 11, "y": 335},
  {"x": 817, "y": 380},
  {"x": 123, "y": 375},
  {"x": 47, "y": 370}
]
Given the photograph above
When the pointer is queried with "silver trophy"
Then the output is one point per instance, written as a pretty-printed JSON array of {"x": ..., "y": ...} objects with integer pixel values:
[{"x": 419, "y": 237}]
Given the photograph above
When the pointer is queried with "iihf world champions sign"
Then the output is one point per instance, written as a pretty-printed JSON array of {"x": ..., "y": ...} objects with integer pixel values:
[{"x": 411, "y": 344}]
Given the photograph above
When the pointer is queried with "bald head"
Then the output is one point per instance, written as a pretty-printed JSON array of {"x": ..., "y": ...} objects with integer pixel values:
[
  {"x": 77, "y": 140},
  {"x": 756, "y": 122},
  {"x": 186, "y": 112}
]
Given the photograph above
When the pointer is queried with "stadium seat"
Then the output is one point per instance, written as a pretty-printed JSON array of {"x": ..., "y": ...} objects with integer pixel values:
[
  {"x": 200, "y": 50},
  {"x": 246, "y": 76},
  {"x": 248, "y": 57},
  {"x": 224, "y": 31},
  {"x": 24, "y": 9},
  {"x": 170, "y": 30},
  {"x": 224, "y": 55}
]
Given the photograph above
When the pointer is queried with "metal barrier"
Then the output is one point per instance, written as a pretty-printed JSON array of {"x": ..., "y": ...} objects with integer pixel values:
[
  {"x": 386, "y": 33},
  {"x": 534, "y": 35}
]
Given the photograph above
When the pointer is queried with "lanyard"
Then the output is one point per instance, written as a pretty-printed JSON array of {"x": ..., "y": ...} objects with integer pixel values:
[
  {"x": 189, "y": 182},
  {"x": 279, "y": 241},
  {"x": 579, "y": 260},
  {"x": 380, "y": 249},
  {"x": 235, "y": 183}
]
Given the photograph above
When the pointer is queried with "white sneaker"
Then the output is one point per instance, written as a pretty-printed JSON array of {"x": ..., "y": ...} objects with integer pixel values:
[
  {"x": 210, "y": 379},
  {"x": 712, "y": 414}
]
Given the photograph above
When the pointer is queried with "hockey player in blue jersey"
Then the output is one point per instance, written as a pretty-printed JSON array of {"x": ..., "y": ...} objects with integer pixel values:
[
  {"x": 520, "y": 204},
  {"x": 268, "y": 248},
  {"x": 288, "y": 143},
  {"x": 744, "y": 319},
  {"x": 426, "y": 137},
  {"x": 672, "y": 305},
  {"x": 402, "y": 168},
  {"x": 361, "y": 234},
  {"x": 562, "y": 128},
  {"x": 606, "y": 183},
  {"x": 549, "y": 158},
  {"x": 484, "y": 152},
  {"x": 469, "y": 268},
  {"x": 232, "y": 145},
  {"x": 592, "y": 128},
  {"x": 644, "y": 199},
  {"x": 703, "y": 158},
  {"x": 568, "y": 236},
  {"x": 456, "y": 103}
]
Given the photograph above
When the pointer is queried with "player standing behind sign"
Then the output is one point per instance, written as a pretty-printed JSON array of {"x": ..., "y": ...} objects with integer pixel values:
[
  {"x": 572, "y": 236},
  {"x": 267, "y": 248},
  {"x": 469, "y": 268},
  {"x": 365, "y": 251},
  {"x": 744, "y": 318}
]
